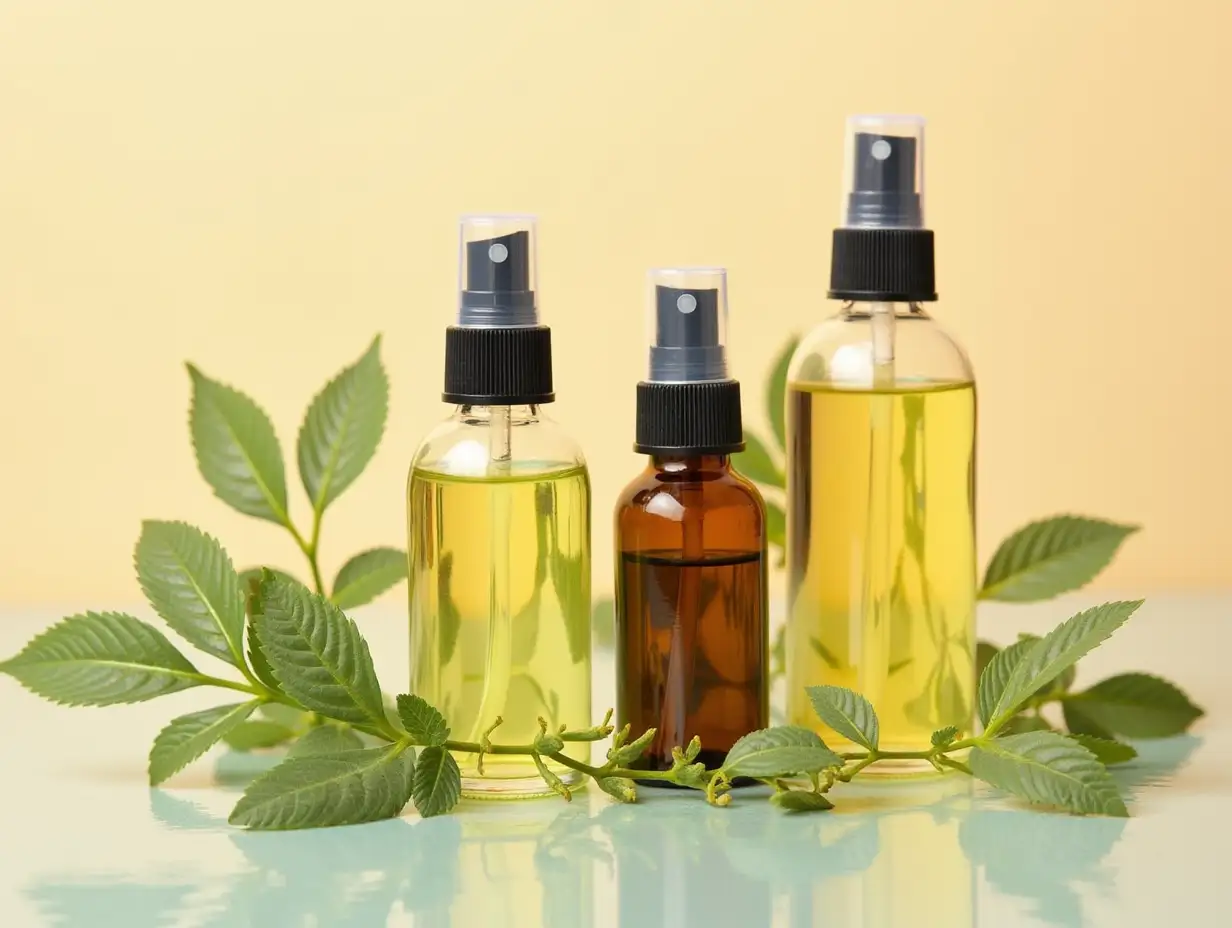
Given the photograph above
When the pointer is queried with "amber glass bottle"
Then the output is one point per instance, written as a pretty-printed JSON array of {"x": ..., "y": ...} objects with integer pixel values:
[{"x": 692, "y": 632}]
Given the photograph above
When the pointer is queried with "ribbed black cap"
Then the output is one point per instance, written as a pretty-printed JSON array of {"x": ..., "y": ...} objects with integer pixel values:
[
  {"x": 689, "y": 418},
  {"x": 506, "y": 366},
  {"x": 887, "y": 265}
]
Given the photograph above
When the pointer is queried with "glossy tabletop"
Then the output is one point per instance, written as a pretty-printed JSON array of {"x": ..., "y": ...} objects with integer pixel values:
[{"x": 86, "y": 843}]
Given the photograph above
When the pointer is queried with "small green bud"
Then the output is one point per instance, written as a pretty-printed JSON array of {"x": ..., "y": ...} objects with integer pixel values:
[
  {"x": 549, "y": 744},
  {"x": 628, "y": 753},
  {"x": 619, "y": 788},
  {"x": 694, "y": 748},
  {"x": 692, "y": 775},
  {"x": 619, "y": 738}
]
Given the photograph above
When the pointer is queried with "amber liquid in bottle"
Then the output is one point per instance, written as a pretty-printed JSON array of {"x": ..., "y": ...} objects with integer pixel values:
[{"x": 691, "y": 607}]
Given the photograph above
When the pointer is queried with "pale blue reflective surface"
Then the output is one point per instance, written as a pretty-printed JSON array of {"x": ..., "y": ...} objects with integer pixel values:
[{"x": 85, "y": 843}]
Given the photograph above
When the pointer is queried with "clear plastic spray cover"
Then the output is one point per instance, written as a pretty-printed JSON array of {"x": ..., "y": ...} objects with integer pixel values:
[
  {"x": 496, "y": 272},
  {"x": 687, "y": 324},
  {"x": 884, "y": 175}
]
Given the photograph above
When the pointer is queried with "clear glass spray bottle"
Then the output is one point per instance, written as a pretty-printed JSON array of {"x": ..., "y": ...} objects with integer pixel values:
[
  {"x": 881, "y": 419},
  {"x": 691, "y": 615},
  {"x": 499, "y": 526}
]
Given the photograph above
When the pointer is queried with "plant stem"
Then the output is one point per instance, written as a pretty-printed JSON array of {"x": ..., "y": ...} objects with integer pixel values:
[{"x": 310, "y": 549}]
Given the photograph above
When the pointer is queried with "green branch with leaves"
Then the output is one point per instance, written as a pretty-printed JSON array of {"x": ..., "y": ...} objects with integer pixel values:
[{"x": 307, "y": 678}]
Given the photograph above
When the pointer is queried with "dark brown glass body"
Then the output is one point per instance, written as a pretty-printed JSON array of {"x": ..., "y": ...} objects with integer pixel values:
[{"x": 692, "y": 617}]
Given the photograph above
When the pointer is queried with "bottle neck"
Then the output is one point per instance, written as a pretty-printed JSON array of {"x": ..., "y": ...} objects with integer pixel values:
[
  {"x": 867, "y": 310},
  {"x": 679, "y": 465},
  {"x": 530, "y": 412}
]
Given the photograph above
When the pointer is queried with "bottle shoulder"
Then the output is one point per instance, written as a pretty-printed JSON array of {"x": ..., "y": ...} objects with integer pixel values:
[
  {"x": 660, "y": 495},
  {"x": 465, "y": 446},
  {"x": 840, "y": 350}
]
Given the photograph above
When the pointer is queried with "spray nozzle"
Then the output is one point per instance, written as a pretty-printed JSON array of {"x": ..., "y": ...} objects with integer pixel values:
[
  {"x": 497, "y": 272},
  {"x": 885, "y": 171},
  {"x": 688, "y": 325}
]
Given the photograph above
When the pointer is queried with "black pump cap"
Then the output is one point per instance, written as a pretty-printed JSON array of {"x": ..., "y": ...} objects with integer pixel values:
[
  {"x": 497, "y": 284},
  {"x": 883, "y": 193}
]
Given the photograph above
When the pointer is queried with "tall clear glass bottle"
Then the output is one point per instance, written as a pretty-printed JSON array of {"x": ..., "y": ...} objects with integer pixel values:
[
  {"x": 881, "y": 422},
  {"x": 499, "y": 526},
  {"x": 691, "y": 615}
]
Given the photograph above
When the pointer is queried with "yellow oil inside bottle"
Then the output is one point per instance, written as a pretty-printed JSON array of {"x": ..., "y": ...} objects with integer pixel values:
[
  {"x": 500, "y": 612},
  {"x": 881, "y": 554}
]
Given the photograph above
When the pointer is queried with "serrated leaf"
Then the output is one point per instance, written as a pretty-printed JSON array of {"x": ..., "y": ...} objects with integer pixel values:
[
  {"x": 1050, "y": 557},
  {"x": 189, "y": 736},
  {"x": 422, "y": 721},
  {"x": 101, "y": 659},
  {"x": 438, "y": 782},
  {"x": 776, "y": 530},
  {"x": 997, "y": 674},
  {"x": 334, "y": 789},
  {"x": 1080, "y": 724},
  {"x": 1057, "y": 651},
  {"x": 1049, "y": 768},
  {"x": 944, "y": 736},
  {"x": 1107, "y": 752},
  {"x": 1134, "y": 705},
  {"x": 1024, "y": 723},
  {"x": 367, "y": 575},
  {"x": 257, "y": 733},
  {"x": 755, "y": 463},
  {"x": 237, "y": 451},
  {"x": 326, "y": 739},
  {"x": 317, "y": 654},
  {"x": 984, "y": 653},
  {"x": 797, "y": 800},
  {"x": 256, "y": 656},
  {"x": 343, "y": 427},
  {"x": 776, "y": 392},
  {"x": 848, "y": 713},
  {"x": 188, "y": 579},
  {"x": 782, "y": 751}
]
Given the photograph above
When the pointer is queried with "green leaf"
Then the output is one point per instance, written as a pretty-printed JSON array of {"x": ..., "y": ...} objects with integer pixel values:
[
  {"x": 756, "y": 464},
  {"x": 797, "y": 800},
  {"x": 329, "y": 789},
  {"x": 776, "y": 530},
  {"x": 367, "y": 575},
  {"x": 1106, "y": 751},
  {"x": 1079, "y": 724},
  {"x": 189, "y": 580},
  {"x": 997, "y": 674},
  {"x": 257, "y": 733},
  {"x": 944, "y": 736},
  {"x": 343, "y": 427},
  {"x": 326, "y": 739},
  {"x": 237, "y": 451},
  {"x": 984, "y": 653},
  {"x": 422, "y": 721},
  {"x": 776, "y": 391},
  {"x": 100, "y": 659},
  {"x": 1049, "y": 768},
  {"x": 1050, "y": 557},
  {"x": 603, "y": 622},
  {"x": 190, "y": 736},
  {"x": 1135, "y": 705},
  {"x": 782, "y": 751},
  {"x": 1058, "y": 650},
  {"x": 848, "y": 713},
  {"x": 256, "y": 656},
  {"x": 1023, "y": 723},
  {"x": 317, "y": 653},
  {"x": 438, "y": 782}
]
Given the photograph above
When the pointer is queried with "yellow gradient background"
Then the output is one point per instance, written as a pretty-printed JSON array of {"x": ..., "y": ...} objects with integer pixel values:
[{"x": 261, "y": 187}]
